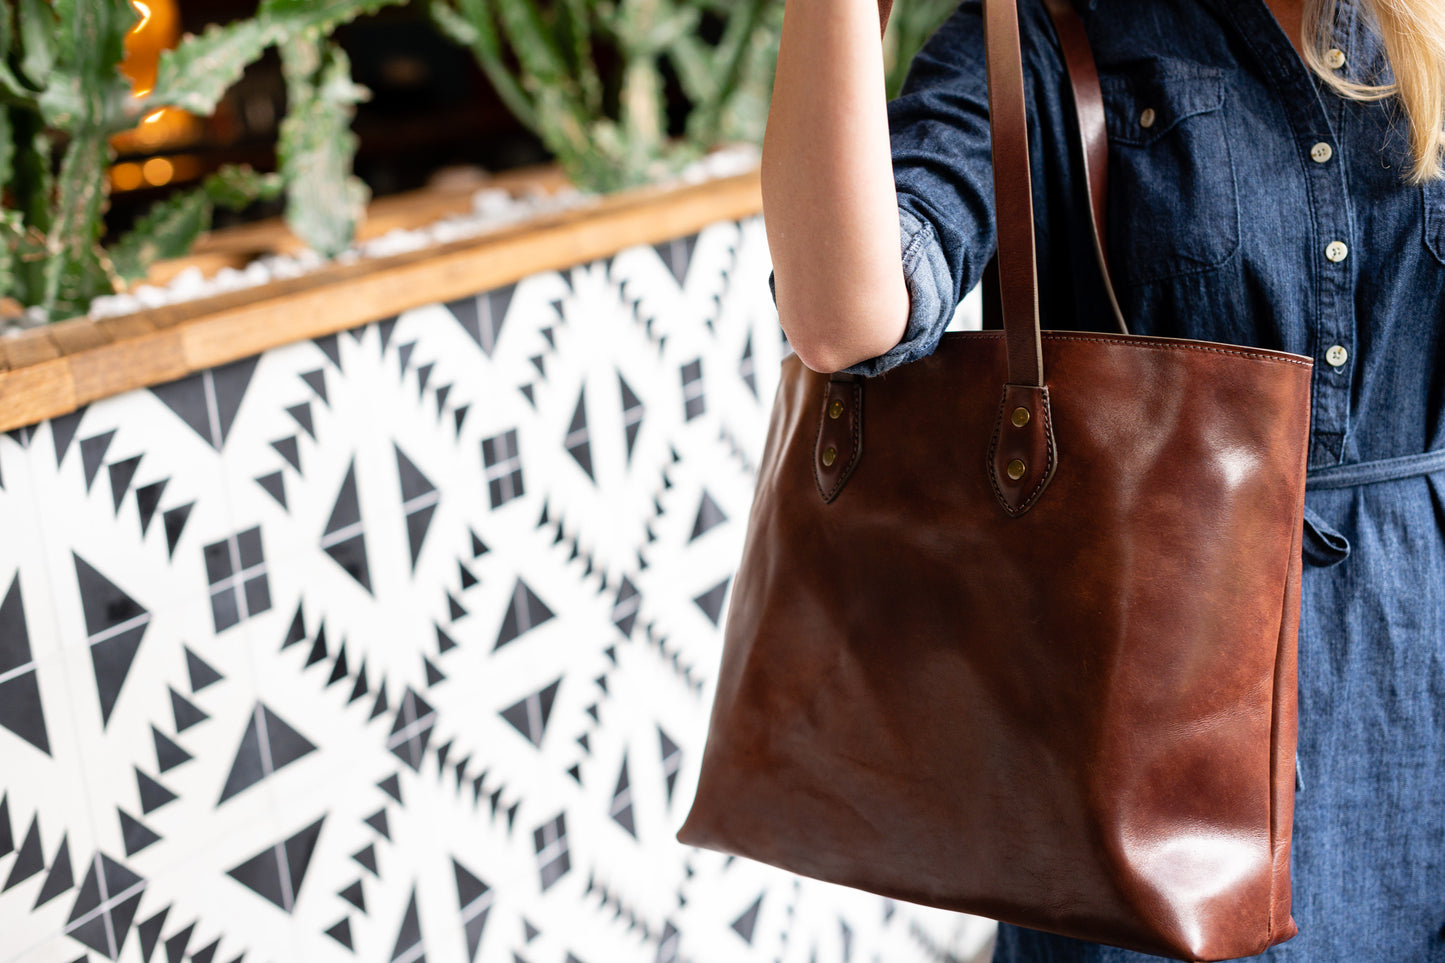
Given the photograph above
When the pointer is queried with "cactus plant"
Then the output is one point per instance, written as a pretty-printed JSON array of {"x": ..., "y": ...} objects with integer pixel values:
[
  {"x": 60, "y": 84},
  {"x": 610, "y": 131}
]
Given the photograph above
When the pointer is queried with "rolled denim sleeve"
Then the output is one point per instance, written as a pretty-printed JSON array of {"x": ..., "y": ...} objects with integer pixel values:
[{"x": 930, "y": 292}]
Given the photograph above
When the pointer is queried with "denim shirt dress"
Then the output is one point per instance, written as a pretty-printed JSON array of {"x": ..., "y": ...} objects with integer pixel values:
[{"x": 1250, "y": 204}]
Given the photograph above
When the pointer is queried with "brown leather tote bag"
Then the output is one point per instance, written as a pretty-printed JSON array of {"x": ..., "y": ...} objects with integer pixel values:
[{"x": 1014, "y": 628}]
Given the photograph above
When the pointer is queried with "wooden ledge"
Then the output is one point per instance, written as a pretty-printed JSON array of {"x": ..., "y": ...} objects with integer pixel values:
[{"x": 56, "y": 369}]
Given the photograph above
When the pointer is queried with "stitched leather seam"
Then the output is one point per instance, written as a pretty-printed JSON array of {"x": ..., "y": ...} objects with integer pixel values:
[
  {"x": 847, "y": 471},
  {"x": 1049, "y": 458},
  {"x": 1243, "y": 353}
]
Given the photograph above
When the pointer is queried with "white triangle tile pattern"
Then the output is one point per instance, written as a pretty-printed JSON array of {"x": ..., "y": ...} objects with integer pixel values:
[{"x": 399, "y": 645}]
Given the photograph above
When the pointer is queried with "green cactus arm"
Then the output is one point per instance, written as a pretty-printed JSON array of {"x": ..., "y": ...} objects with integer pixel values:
[
  {"x": 324, "y": 200},
  {"x": 291, "y": 17},
  {"x": 7, "y": 149},
  {"x": 196, "y": 74},
  {"x": 37, "y": 30},
  {"x": 73, "y": 271},
  {"x": 85, "y": 91},
  {"x": 170, "y": 228},
  {"x": 472, "y": 26},
  {"x": 532, "y": 41},
  {"x": 12, "y": 228},
  {"x": 575, "y": 28},
  {"x": 730, "y": 60}
]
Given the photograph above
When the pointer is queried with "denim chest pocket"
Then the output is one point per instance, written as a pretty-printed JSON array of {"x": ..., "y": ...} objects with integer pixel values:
[
  {"x": 1173, "y": 204},
  {"x": 1434, "y": 196}
]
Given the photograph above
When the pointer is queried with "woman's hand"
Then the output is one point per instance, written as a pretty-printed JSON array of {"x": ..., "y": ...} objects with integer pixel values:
[{"x": 828, "y": 197}]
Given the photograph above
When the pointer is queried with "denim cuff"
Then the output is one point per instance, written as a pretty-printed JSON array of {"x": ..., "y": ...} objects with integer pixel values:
[{"x": 929, "y": 282}]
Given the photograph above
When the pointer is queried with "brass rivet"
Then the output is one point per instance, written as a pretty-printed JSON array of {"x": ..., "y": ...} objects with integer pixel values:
[
  {"x": 835, "y": 410},
  {"x": 1016, "y": 469},
  {"x": 1021, "y": 417},
  {"x": 830, "y": 455}
]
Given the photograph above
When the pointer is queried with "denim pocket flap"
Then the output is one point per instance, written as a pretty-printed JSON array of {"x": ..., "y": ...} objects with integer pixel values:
[{"x": 1149, "y": 98}]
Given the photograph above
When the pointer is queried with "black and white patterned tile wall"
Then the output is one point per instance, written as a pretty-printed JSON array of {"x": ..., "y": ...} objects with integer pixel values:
[{"x": 399, "y": 644}]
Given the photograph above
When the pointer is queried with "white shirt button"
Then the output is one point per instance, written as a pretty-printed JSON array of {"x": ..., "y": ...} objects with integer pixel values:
[
  {"x": 1337, "y": 251},
  {"x": 1321, "y": 152},
  {"x": 1146, "y": 119},
  {"x": 1334, "y": 58},
  {"x": 1337, "y": 355}
]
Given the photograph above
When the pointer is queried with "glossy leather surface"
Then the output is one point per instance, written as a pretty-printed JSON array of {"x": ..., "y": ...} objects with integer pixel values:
[{"x": 1079, "y": 719}]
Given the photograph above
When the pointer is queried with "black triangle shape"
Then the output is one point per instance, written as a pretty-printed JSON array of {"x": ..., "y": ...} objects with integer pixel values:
[
  {"x": 445, "y": 643},
  {"x": 147, "y": 500},
  {"x": 469, "y": 887},
  {"x": 346, "y": 510},
  {"x": 20, "y": 710},
  {"x": 354, "y": 895},
  {"x": 136, "y": 835},
  {"x": 318, "y": 650},
  {"x": 367, "y": 858},
  {"x": 423, "y": 375},
  {"x": 339, "y": 669},
  {"x": 621, "y": 809},
  {"x": 14, "y": 633},
  {"x": 578, "y": 442},
  {"x": 529, "y": 932},
  {"x": 301, "y": 414},
  {"x": 386, "y": 328},
  {"x": 443, "y": 751},
  {"x": 276, "y": 878},
  {"x": 297, "y": 632},
  {"x": 530, "y": 715},
  {"x": 409, "y": 935},
  {"x": 585, "y": 741},
  {"x": 677, "y": 255},
  {"x": 176, "y": 945},
  {"x": 121, "y": 475},
  {"x": 748, "y": 921},
  {"x": 525, "y": 613},
  {"x": 275, "y": 486},
  {"x": 105, "y": 605},
  {"x": 404, "y": 353},
  {"x": 7, "y": 835},
  {"x": 711, "y": 601},
  {"x": 200, "y": 672},
  {"x": 185, "y": 712},
  {"x": 289, "y": 449},
  {"x": 709, "y": 516},
  {"x": 150, "y": 934},
  {"x": 626, "y": 607},
  {"x": 377, "y": 821},
  {"x": 206, "y": 953},
  {"x": 433, "y": 674},
  {"x": 459, "y": 415},
  {"x": 417, "y": 523},
  {"x": 380, "y": 705},
  {"x": 175, "y": 522},
  {"x": 391, "y": 785},
  {"x": 414, "y": 484},
  {"x": 152, "y": 794},
  {"x": 479, "y": 547},
  {"x": 111, "y": 660},
  {"x": 530, "y": 392},
  {"x": 62, "y": 432},
  {"x": 30, "y": 860},
  {"x": 454, "y": 608},
  {"x": 23, "y": 435},
  {"x": 540, "y": 363},
  {"x": 92, "y": 455},
  {"x": 443, "y": 393},
  {"x": 360, "y": 688},
  {"x": 208, "y": 401},
  {"x": 61, "y": 877},
  {"x": 328, "y": 344},
  {"x": 168, "y": 754},
  {"x": 317, "y": 381},
  {"x": 341, "y": 933},
  {"x": 575, "y": 771},
  {"x": 268, "y": 744}
]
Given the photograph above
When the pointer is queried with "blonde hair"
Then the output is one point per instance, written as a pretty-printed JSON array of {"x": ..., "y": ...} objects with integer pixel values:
[{"x": 1413, "y": 34}]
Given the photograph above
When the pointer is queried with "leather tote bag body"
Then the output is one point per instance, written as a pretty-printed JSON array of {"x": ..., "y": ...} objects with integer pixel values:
[{"x": 1014, "y": 627}]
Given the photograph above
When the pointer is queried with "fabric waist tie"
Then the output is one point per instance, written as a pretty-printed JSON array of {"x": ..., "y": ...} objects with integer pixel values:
[{"x": 1323, "y": 544}]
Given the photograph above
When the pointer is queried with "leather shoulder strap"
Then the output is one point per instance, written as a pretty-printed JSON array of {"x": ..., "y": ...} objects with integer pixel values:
[{"x": 1093, "y": 144}]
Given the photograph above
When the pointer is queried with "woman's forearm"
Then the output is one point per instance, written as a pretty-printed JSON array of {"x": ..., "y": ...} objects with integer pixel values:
[{"x": 828, "y": 195}]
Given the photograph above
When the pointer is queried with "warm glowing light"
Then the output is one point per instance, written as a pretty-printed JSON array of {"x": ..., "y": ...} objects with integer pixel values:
[
  {"x": 154, "y": 116},
  {"x": 145, "y": 15},
  {"x": 126, "y": 177},
  {"x": 158, "y": 171}
]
